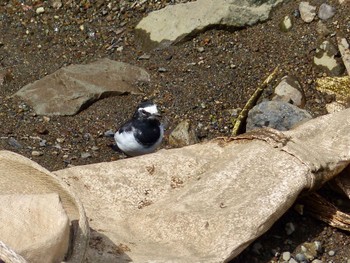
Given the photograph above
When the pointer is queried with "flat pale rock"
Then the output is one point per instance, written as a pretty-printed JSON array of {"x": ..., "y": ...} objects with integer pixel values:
[
  {"x": 35, "y": 226},
  {"x": 71, "y": 89},
  {"x": 175, "y": 23},
  {"x": 205, "y": 202}
]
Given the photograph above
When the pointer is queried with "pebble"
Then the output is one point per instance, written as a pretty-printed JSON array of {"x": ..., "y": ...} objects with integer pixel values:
[
  {"x": 290, "y": 228},
  {"x": 60, "y": 140},
  {"x": 331, "y": 253},
  {"x": 286, "y": 24},
  {"x": 37, "y": 153},
  {"x": 95, "y": 148},
  {"x": 200, "y": 49},
  {"x": 183, "y": 135},
  {"x": 286, "y": 256},
  {"x": 40, "y": 10},
  {"x": 292, "y": 260},
  {"x": 307, "y": 12},
  {"x": 85, "y": 155},
  {"x": 301, "y": 257},
  {"x": 144, "y": 57},
  {"x": 14, "y": 143},
  {"x": 326, "y": 11},
  {"x": 317, "y": 261},
  {"x": 162, "y": 70},
  {"x": 57, "y": 4},
  {"x": 42, "y": 143}
]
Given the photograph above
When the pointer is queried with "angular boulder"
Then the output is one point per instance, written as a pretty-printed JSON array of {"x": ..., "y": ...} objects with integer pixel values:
[
  {"x": 71, "y": 89},
  {"x": 175, "y": 23}
]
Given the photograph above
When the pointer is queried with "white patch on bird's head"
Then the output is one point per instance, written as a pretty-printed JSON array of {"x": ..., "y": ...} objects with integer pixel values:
[{"x": 152, "y": 109}]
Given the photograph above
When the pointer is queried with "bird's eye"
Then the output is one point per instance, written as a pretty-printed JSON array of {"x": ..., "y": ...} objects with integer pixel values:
[{"x": 144, "y": 112}]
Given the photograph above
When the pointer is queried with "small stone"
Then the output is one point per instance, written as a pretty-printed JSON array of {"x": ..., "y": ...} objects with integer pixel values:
[
  {"x": 14, "y": 143},
  {"x": 301, "y": 257},
  {"x": 42, "y": 143},
  {"x": 183, "y": 135},
  {"x": 37, "y": 153},
  {"x": 286, "y": 24},
  {"x": 318, "y": 246},
  {"x": 290, "y": 228},
  {"x": 40, "y": 10},
  {"x": 326, "y": 11},
  {"x": 327, "y": 60},
  {"x": 311, "y": 249},
  {"x": 120, "y": 49},
  {"x": 289, "y": 90},
  {"x": 144, "y": 57},
  {"x": 95, "y": 148},
  {"x": 331, "y": 253},
  {"x": 292, "y": 260},
  {"x": 60, "y": 140},
  {"x": 85, "y": 155},
  {"x": 200, "y": 49},
  {"x": 307, "y": 12},
  {"x": 286, "y": 256},
  {"x": 162, "y": 70},
  {"x": 57, "y": 4},
  {"x": 317, "y": 261}
]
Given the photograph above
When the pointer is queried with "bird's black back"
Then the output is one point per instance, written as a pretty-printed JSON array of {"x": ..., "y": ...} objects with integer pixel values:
[{"x": 147, "y": 132}]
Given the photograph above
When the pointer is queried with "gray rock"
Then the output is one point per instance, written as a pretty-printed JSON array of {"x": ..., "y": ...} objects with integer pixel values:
[
  {"x": 326, "y": 60},
  {"x": 85, "y": 155},
  {"x": 307, "y": 12},
  {"x": 71, "y": 89},
  {"x": 301, "y": 257},
  {"x": 175, "y": 23},
  {"x": 289, "y": 90},
  {"x": 275, "y": 114},
  {"x": 14, "y": 143},
  {"x": 326, "y": 11},
  {"x": 182, "y": 135}
]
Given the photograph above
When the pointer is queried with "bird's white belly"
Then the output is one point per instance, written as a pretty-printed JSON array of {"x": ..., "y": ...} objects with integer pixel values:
[{"x": 128, "y": 144}]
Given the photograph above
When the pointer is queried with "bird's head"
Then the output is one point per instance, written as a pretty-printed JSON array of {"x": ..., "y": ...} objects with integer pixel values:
[{"x": 147, "y": 110}]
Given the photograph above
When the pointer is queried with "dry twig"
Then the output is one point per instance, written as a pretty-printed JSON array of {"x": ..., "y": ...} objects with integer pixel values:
[{"x": 251, "y": 103}]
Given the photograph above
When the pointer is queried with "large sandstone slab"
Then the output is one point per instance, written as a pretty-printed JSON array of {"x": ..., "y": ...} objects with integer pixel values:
[
  {"x": 71, "y": 89},
  {"x": 205, "y": 202},
  {"x": 175, "y": 23}
]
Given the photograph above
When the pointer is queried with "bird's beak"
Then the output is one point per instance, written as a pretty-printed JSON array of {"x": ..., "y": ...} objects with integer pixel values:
[{"x": 157, "y": 115}]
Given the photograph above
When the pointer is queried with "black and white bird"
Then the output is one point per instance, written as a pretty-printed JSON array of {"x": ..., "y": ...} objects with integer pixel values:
[{"x": 143, "y": 133}]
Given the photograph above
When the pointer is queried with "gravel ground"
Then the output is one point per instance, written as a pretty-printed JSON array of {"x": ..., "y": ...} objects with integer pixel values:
[{"x": 204, "y": 80}]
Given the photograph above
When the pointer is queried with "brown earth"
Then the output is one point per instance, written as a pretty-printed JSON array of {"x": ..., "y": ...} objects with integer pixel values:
[{"x": 204, "y": 86}]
